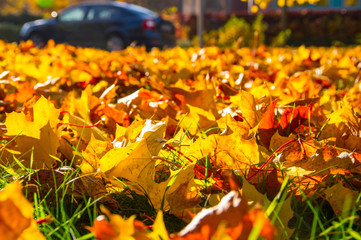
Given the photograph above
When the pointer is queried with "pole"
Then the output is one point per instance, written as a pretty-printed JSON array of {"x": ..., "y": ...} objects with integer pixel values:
[
  {"x": 200, "y": 22},
  {"x": 249, "y": 6}
]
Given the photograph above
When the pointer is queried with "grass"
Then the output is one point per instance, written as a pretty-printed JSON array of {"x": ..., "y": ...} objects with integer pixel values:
[
  {"x": 313, "y": 217},
  {"x": 67, "y": 216}
]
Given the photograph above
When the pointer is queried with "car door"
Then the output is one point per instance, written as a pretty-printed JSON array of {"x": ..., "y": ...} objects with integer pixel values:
[
  {"x": 70, "y": 26},
  {"x": 105, "y": 20}
]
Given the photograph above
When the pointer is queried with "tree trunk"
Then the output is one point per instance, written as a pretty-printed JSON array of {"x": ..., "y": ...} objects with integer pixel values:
[
  {"x": 284, "y": 17},
  {"x": 200, "y": 22}
]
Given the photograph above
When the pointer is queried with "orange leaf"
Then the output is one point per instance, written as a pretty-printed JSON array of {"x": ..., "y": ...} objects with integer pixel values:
[
  {"x": 16, "y": 215},
  {"x": 102, "y": 229},
  {"x": 233, "y": 211},
  {"x": 267, "y": 125}
]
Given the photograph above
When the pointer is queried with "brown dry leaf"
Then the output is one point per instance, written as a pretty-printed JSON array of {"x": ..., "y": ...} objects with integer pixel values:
[
  {"x": 232, "y": 211},
  {"x": 38, "y": 135},
  {"x": 16, "y": 215},
  {"x": 52, "y": 182},
  {"x": 342, "y": 199}
]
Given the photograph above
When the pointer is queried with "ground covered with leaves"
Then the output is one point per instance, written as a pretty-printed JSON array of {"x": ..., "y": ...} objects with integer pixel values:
[{"x": 180, "y": 144}]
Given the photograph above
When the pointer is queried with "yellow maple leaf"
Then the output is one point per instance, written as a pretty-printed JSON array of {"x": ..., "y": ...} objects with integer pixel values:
[
  {"x": 159, "y": 230},
  {"x": 245, "y": 103},
  {"x": 136, "y": 164},
  {"x": 44, "y": 113},
  {"x": 241, "y": 154},
  {"x": 196, "y": 118},
  {"x": 93, "y": 152},
  {"x": 40, "y": 134},
  {"x": 16, "y": 215}
]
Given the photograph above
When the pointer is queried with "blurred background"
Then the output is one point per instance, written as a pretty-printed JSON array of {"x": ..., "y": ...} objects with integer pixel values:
[{"x": 226, "y": 22}]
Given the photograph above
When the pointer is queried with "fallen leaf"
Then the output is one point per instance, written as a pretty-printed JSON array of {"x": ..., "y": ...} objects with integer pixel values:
[
  {"x": 267, "y": 125},
  {"x": 341, "y": 199},
  {"x": 16, "y": 215},
  {"x": 239, "y": 155},
  {"x": 232, "y": 211},
  {"x": 40, "y": 136},
  {"x": 118, "y": 228}
]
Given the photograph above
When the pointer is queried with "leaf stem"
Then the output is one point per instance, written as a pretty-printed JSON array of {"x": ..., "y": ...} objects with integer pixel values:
[
  {"x": 270, "y": 158},
  {"x": 167, "y": 161}
]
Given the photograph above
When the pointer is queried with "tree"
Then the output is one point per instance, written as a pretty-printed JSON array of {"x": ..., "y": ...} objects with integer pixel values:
[
  {"x": 284, "y": 4},
  {"x": 35, "y": 7}
]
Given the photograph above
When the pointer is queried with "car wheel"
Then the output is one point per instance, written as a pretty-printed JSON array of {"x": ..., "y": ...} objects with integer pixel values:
[
  {"x": 115, "y": 43},
  {"x": 37, "y": 39}
]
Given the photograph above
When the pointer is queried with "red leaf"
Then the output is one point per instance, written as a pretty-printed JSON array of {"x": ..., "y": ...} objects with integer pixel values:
[
  {"x": 292, "y": 118},
  {"x": 267, "y": 125}
]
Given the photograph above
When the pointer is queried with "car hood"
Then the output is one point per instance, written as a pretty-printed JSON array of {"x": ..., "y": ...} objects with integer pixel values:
[{"x": 41, "y": 22}]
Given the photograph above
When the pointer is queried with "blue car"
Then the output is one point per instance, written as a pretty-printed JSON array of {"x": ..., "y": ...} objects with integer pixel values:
[{"x": 107, "y": 25}]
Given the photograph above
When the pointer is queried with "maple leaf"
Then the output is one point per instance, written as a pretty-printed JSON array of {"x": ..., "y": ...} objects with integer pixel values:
[
  {"x": 135, "y": 163},
  {"x": 65, "y": 180},
  {"x": 267, "y": 125},
  {"x": 233, "y": 212},
  {"x": 292, "y": 118},
  {"x": 183, "y": 193},
  {"x": 95, "y": 150},
  {"x": 202, "y": 98},
  {"x": 39, "y": 133},
  {"x": 301, "y": 86},
  {"x": 345, "y": 126},
  {"x": 341, "y": 199},
  {"x": 197, "y": 118},
  {"x": 24, "y": 92},
  {"x": 239, "y": 155},
  {"x": 159, "y": 231},
  {"x": 118, "y": 228},
  {"x": 228, "y": 123},
  {"x": 283, "y": 216},
  {"x": 244, "y": 102},
  {"x": 16, "y": 215}
]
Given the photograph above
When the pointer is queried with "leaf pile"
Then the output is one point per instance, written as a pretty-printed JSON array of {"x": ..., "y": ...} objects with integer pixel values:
[{"x": 223, "y": 130}]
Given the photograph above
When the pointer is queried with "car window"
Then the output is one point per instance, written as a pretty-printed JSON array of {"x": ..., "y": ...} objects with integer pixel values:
[
  {"x": 106, "y": 13},
  {"x": 142, "y": 11},
  {"x": 74, "y": 14}
]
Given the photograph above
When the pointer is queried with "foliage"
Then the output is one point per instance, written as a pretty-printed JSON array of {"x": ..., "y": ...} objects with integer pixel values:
[
  {"x": 34, "y": 7},
  {"x": 213, "y": 143},
  {"x": 9, "y": 31},
  {"x": 281, "y": 38},
  {"x": 237, "y": 31}
]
